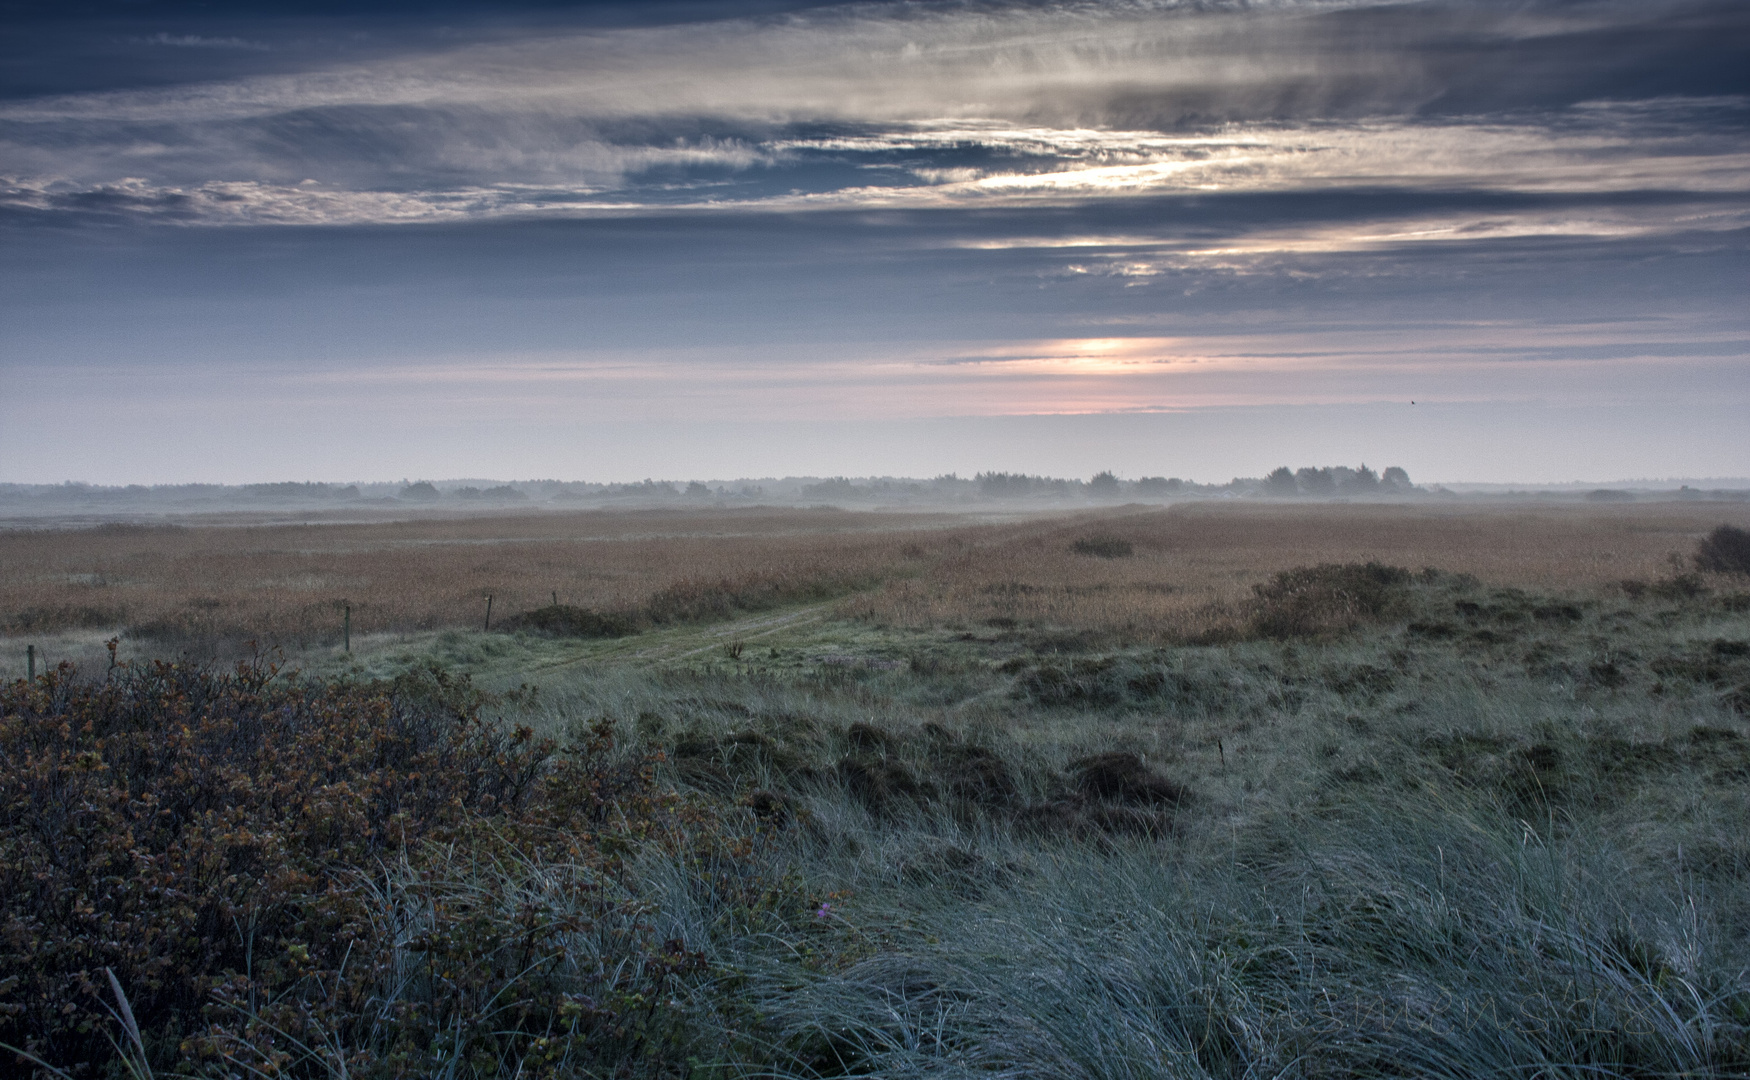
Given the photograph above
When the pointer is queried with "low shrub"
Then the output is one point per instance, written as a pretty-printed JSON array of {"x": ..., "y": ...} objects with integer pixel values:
[
  {"x": 564, "y": 620},
  {"x": 1127, "y": 682},
  {"x": 1726, "y": 550},
  {"x": 1330, "y": 598},
  {"x": 61, "y": 616},
  {"x": 1104, "y": 546},
  {"x": 289, "y": 879}
]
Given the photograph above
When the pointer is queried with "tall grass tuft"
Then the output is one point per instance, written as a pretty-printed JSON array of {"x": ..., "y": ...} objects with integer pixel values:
[{"x": 1386, "y": 942}]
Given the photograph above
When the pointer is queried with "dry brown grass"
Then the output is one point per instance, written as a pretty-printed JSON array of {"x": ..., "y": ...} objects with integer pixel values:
[
  {"x": 1191, "y": 567},
  {"x": 287, "y": 583}
]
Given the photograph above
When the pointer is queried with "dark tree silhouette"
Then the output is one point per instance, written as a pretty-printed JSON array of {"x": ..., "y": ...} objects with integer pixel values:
[
  {"x": 1316, "y": 481},
  {"x": 1103, "y": 483},
  {"x": 1362, "y": 481}
]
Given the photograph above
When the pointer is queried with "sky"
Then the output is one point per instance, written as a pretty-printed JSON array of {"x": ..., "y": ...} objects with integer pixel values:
[{"x": 1484, "y": 241}]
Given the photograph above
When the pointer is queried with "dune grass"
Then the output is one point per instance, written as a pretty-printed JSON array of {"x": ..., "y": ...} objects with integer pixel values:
[{"x": 1385, "y": 823}]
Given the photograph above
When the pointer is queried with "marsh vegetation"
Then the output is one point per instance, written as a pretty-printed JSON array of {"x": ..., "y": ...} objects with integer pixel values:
[
  {"x": 1311, "y": 791},
  {"x": 1138, "y": 573}
]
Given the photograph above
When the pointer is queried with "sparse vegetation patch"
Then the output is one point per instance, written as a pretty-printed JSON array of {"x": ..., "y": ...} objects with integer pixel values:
[{"x": 1104, "y": 546}]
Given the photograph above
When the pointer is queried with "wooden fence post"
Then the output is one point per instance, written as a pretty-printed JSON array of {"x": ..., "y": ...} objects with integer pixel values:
[
  {"x": 488, "y": 611},
  {"x": 30, "y": 659},
  {"x": 346, "y": 628}
]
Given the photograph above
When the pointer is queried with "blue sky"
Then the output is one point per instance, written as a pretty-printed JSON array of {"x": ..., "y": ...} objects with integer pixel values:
[{"x": 603, "y": 241}]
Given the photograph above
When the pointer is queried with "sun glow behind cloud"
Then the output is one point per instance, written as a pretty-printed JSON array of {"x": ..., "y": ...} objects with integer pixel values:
[
  {"x": 890, "y": 212},
  {"x": 1310, "y": 365}
]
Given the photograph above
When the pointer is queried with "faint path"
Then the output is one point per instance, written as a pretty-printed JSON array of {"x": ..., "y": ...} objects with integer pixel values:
[{"x": 691, "y": 641}]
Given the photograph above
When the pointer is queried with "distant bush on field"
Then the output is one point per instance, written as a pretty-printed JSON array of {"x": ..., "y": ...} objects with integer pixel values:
[
  {"x": 1726, "y": 550},
  {"x": 697, "y": 600},
  {"x": 272, "y": 869},
  {"x": 1104, "y": 546},
  {"x": 563, "y": 620},
  {"x": 1325, "y": 599}
]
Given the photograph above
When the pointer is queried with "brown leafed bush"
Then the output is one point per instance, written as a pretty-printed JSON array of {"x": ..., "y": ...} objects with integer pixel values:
[
  {"x": 1725, "y": 550},
  {"x": 272, "y": 868}
]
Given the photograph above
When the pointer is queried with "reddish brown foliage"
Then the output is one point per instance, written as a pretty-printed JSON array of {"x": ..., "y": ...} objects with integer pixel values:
[{"x": 223, "y": 842}]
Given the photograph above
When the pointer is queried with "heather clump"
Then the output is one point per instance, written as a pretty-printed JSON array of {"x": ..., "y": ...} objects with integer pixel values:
[{"x": 287, "y": 877}]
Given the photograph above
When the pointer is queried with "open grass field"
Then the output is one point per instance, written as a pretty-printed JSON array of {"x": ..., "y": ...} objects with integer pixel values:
[
  {"x": 1215, "y": 791},
  {"x": 1187, "y": 574},
  {"x": 286, "y": 584},
  {"x": 1190, "y": 569}
]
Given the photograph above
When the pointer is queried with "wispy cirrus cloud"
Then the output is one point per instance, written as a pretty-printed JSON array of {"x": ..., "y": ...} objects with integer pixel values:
[
  {"x": 914, "y": 106},
  {"x": 1597, "y": 152},
  {"x": 197, "y": 41}
]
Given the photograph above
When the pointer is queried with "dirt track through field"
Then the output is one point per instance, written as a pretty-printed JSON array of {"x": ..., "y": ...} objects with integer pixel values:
[{"x": 682, "y": 644}]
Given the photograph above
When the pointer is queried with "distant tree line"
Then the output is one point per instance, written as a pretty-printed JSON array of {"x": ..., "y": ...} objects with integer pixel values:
[
  {"x": 949, "y": 489},
  {"x": 1002, "y": 485},
  {"x": 1337, "y": 480}
]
